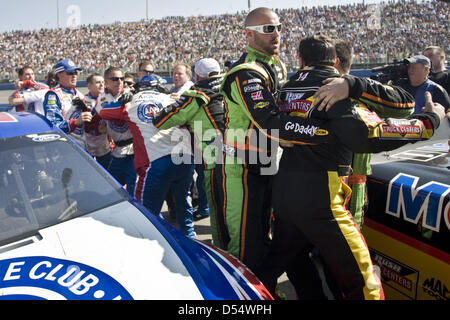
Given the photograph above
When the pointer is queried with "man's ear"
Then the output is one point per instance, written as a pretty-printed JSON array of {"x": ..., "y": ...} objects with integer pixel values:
[
  {"x": 248, "y": 33},
  {"x": 301, "y": 62},
  {"x": 337, "y": 63}
]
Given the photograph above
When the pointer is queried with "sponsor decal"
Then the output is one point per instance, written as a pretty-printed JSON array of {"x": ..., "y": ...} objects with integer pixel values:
[
  {"x": 46, "y": 138},
  {"x": 307, "y": 130},
  {"x": 261, "y": 105},
  {"x": 302, "y": 106},
  {"x": 257, "y": 96},
  {"x": 302, "y": 76},
  {"x": 321, "y": 132},
  {"x": 252, "y": 88},
  {"x": 368, "y": 116},
  {"x": 401, "y": 130},
  {"x": 396, "y": 274},
  {"x": 294, "y": 96},
  {"x": 249, "y": 81},
  {"x": 436, "y": 288},
  {"x": 55, "y": 279},
  {"x": 147, "y": 111},
  {"x": 426, "y": 201}
]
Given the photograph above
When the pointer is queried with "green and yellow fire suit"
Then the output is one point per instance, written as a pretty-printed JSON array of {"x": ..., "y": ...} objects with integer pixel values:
[
  {"x": 253, "y": 128},
  {"x": 201, "y": 109}
]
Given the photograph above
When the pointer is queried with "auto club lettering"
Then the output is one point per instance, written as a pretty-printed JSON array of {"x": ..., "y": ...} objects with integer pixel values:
[
  {"x": 427, "y": 200},
  {"x": 67, "y": 278}
]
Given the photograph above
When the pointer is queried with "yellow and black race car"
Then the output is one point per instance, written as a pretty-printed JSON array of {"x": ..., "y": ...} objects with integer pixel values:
[{"x": 407, "y": 223}]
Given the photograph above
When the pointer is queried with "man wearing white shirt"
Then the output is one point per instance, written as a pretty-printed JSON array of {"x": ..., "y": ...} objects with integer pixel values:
[{"x": 181, "y": 77}]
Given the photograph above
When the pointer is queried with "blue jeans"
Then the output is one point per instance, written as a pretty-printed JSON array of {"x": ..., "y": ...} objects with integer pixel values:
[
  {"x": 122, "y": 169},
  {"x": 163, "y": 175},
  {"x": 105, "y": 160}
]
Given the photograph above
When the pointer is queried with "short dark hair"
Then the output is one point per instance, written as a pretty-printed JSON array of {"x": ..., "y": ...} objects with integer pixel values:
[
  {"x": 92, "y": 76},
  {"x": 21, "y": 71},
  {"x": 317, "y": 50},
  {"x": 111, "y": 70},
  {"x": 146, "y": 63},
  {"x": 436, "y": 50},
  {"x": 344, "y": 52}
]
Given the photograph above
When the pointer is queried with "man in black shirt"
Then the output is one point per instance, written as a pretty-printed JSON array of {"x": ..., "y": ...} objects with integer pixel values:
[{"x": 439, "y": 72}]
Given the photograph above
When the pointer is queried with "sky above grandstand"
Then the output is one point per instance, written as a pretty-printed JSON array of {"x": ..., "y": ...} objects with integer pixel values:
[{"x": 32, "y": 15}]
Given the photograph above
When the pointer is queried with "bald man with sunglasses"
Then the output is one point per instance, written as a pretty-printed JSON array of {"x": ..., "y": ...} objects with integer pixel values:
[{"x": 252, "y": 119}]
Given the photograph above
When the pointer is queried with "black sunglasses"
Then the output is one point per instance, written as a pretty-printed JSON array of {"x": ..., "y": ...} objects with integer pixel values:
[
  {"x": 117, "y": 78},
  {"x": 129, "y": 83},
  {"x": 147, "y": 71},
  {"x": 72, "y": 73}
]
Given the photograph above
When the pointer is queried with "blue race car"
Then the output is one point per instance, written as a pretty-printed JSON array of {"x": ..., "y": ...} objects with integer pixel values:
[{"x": 68, "y": 230}]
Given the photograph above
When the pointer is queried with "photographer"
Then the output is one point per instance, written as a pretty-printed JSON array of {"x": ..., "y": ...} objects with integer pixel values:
[{"x": 418, "y": 83}]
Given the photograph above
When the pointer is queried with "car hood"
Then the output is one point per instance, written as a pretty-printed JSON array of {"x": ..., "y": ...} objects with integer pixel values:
[{"x": 118, "y": 253}]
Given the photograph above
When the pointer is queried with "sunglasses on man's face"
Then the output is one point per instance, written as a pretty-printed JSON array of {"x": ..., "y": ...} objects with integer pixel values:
[
  {"x": 266, "y": 28},
  {"x": 117, "y": 78},
  {"x": 72, "y": 73},
  {"x": 147, "y": 71},
  {"x": 129, "y": 83}
]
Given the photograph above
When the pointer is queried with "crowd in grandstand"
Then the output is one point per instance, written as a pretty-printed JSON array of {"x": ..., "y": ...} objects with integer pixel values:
[{"x": 404, "y": 25}]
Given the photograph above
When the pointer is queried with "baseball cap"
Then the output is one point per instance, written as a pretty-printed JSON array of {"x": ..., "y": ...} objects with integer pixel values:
[
  {"x": 204, "y": 67},
  {"x": 66, "y": 65},
  {"x": 419, "y": 59}
]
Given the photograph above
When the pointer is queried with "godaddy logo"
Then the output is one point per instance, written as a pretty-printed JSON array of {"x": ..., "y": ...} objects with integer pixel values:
[{"x": 309, "y": 130}]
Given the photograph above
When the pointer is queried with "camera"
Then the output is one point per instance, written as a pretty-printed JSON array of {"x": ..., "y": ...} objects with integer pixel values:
[{"x": 391, "y": 72}]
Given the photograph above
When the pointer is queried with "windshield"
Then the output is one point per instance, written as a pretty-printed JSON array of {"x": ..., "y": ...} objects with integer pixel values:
[{"x": 45, "y": 180}]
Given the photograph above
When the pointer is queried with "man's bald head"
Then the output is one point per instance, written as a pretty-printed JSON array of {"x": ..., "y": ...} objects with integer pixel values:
[
  {"x": 268, "y": 43},
  {"x": 259, "y": 16}
]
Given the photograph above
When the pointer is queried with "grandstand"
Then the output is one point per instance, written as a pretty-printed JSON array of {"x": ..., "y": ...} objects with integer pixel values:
[{"x": 404, "y": 28}]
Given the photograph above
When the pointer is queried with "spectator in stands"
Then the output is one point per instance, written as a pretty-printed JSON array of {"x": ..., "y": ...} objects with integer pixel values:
[{"x": 406, "y": 26}]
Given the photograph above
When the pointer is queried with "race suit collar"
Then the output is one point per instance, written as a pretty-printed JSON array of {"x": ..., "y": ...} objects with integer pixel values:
[
  {"x": 270, "y": 59},
  {"x": 321, "y": 67},
  {"x": 68, "y": 90},
  {"x": 89, "y": 95}
]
